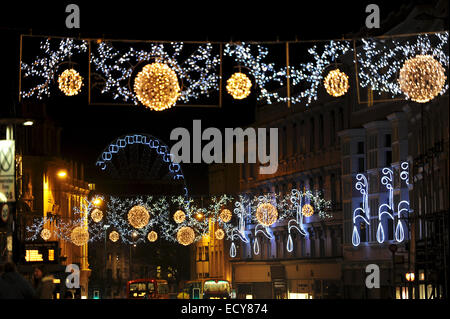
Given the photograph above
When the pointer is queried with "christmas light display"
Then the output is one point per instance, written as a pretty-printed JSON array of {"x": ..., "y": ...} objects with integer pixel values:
[
  {"x": 70, "y": 82},
  {"x": 152, "y": 236},
  {"x": 96, "y": 215},
  {"x": 185, "y": 235},
  {"x": 380, "y": 60},
  {"x": 239, "y": 86},
  {"x": 336, "y": 83},
  {"x": 219, "y": 233},
  {"x": 296, "y": 199},
  {"x": 386, "y": 208},
  {"x": 266, "y": 214},
  {"x": 114, "y": 236},
  {"x": 156, "y": 86},
  {"x": 422, "y": 78},
  {"x": 79, "y": 236},
  {"x": 179, "y": 216},
  {"x": 363, "y": 212},
  {"x": 138, "y": 217},
  {"x": 307, "y": 210},
  {"x": 225, "y": 215},
  {"x": 45, "y": 234}
]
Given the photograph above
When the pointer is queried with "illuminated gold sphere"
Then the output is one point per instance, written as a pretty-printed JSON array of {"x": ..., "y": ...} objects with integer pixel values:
[
  {"x": 79, "y": 236},
  {"x": 114, "y": 236},
  {"x": 138, "y": 217},
  {"x": 336, "y": 83},
  {"x": 179, "y": 216},
  {"x": 185, "y": 235},
  {"x": 220, "y": 234},
  {"x": 225, "y": 215},
  {"x": 239, "y": 86},
  {"x": 307, "y": 210},
  {"x": 45, "y": 234},
  {"x": 96, "y": 215},
  {"x": 152, "y": 236},
  {"x": 422, "y": 78},
  {"x": 156, "y": 86},
  {"x": 266, "y": 214},
  {"x": 70, "y": 82}
]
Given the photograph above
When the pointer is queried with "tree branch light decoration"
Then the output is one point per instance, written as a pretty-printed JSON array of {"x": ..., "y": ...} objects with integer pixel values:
[
  {"x": 79, "y": 236},
  {"x": 70, "y": 82},
  {"x": 185, "y": 235},
  {"x": 266, "y": 214},
  {"x": 138, "y": 217},
  {"x": 156, "y": 86},
  {"x": 422, "y": 78},
  {"x": 179, "y": 216},
  {"x": 239, "y": 86},
  {"x": 336, "y": 83}
]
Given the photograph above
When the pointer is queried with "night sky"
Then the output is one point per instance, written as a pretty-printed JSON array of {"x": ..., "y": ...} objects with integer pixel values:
[{"x": 87, "y": 130}]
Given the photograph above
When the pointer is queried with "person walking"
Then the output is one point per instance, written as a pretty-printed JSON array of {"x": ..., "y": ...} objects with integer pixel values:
[
  {"x": 43, "y": 283},
  {"x": 13, "y": 285}
]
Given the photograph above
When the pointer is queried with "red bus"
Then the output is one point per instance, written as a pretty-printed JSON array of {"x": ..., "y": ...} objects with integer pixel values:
[{"x": 147, "y": 289}]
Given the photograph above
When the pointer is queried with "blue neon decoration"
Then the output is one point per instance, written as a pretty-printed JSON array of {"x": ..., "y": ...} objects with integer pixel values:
[
  {"x": 361, "y": 212},
  {"x": 297, "y": 223}
]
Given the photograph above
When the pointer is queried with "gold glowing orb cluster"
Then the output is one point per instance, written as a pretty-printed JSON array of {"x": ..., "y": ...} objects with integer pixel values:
[
  {"x": 336, "y": 83},
  {"x": 156, "y": 86},
  {"x": 138, "y": 216},
  {"x": 96, "y": 215},
  {"x": 179, "y": 216},
  {"x": 152, "y": 236},
  {"x": 185, "y": 235},
  {"x": 422, "y": 78},
  {"x": 307, "y": 210},
  {"x": 239, "y": 86},
  {"x": 220, "y": 234},
  {"x": 79, "y": 236},
  {"x": 70, "y": 82},
  {"x": 114, "y": 236},
  {"x": 266, "y": 214},
  {"x": 45, "y": 234},
  {"x": 225, "y": 215}
]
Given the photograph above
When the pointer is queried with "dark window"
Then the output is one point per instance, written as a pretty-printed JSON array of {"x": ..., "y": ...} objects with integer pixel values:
[
  {"x": 390, "y": 226},
  {"x": 284, "y": 145},
  {"x": 321, "y": 131},
  {"x": 363, "y": 232},
  {"x": 311, "y": 136},
  {"x": 361, "y": 165},
  {"x": 322, "y": 247},
  {"x": 294, "y": 138},
  {"x": 360, "y": 147},
  {"x": 387, "y": 140},
  {"x": 332, "y": 128},
  {"x": 388, "y": 158},
  {"x": 312, "y": 247}
]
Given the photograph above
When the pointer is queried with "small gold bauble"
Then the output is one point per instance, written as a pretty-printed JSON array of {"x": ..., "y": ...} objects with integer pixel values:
[
  {"x": 307, "y": 210},
  {"x": 225, "y": 215},
  {"x": 266, "y": 214},
  {"x": 185, "y": 235},
  {"x": 220, "y": 234},
  {"x": 138, "y": 216},
  {"x": 156, "y": 86},
  {"x": 179, "y": 216},
  {"x": 422, "y": 78},
  {"x": 152, "y": 236},
  {"x": 45, "y": 234},
  {"x": 239, "y": 86},
  {"x": 79, "y": 236},
  {"x": 114, "y": 236},
  {"x": 336, "y": 83},
  {"x": 70, "y": 82},
  {"x": 96, "y": 215}
]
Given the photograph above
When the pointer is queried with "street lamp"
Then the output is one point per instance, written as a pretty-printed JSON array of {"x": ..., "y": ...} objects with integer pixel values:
[
  {"x": 105, "y": 227},
  {"x": 62, "y": 173},
  {"x": 97, "y": 201}
]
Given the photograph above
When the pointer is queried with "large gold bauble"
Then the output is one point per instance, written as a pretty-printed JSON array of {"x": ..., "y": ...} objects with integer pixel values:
[
  {"x": 45, "y": 234},
  {"x": 179, "y": 216},
  {"x": 220, "y": 234},
  {"x": 422, "y": 78},
  {"x": 156, "y": 86},
  {"x": 266, "y": 214},
  {"x": 336, "y": 83},
  {"x": 225, "y": 215},
  {"x": 138, "y": 216},
  {"x": 96, "y": 215},
  {"x": 79, "y": 236},
  {"x": 185, "y": 235},
  {"x": 239, "y": 86},
  {"x": 152, "y": 236},
  {"x": 307, "y": 210},
  {"x": 114, "y": 236},
  {"x": 70, "y": 82}
]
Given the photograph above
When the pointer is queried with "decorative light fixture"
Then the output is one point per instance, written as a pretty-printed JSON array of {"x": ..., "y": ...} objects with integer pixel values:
[
  {"x": 179, "y": 216},
  {"x": 152, "y": 236},
  {"x": 185, "y": 235},
  {"x": 307, "y": 210},
  {"x": 114, "y": 236},
  {"x": 225, "y": 215},
  {"x": 70, "y": 82},
  {"x": 239, "y": 86},
  {"x": 138, "y": 216},
  {"x": 336, "y": 83},
  {"x": 156, "y": 86},
  {"x": 220, "y": 234},
  {"x": 266, "y": 214},
  {"x": 422, "y": 78},
  {"x": 96, "y": 215},
  {"x": 45, "y": 234},
  {"x": 410, "y": 276},
  {"x": 79, "y": 236},
  {"x": 62, "y": 173}
]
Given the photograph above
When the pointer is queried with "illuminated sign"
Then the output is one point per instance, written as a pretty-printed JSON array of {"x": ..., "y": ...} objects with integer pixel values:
[
  {"x": 33, "y": 255},
  {"x": 41, "y": 252},
  {"x": 7, "y": 170}
]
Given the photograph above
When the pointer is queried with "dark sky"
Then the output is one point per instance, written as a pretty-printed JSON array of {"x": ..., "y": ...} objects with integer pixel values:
[{"x": 88, "y": 129}]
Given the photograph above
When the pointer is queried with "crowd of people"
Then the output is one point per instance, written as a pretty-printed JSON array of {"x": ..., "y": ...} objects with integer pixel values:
[{"x": 14, "y": 286}]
